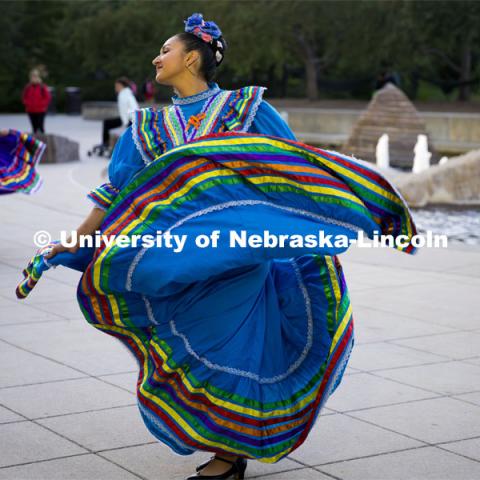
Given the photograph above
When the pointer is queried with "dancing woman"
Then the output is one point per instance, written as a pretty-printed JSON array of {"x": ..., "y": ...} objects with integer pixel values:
[{"x": 238, "y": 348}]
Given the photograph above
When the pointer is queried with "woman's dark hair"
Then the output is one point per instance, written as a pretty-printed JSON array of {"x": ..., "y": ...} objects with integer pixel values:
[
  {"x": 209, "y": 61},
  {"x": 124, "y": 81}
]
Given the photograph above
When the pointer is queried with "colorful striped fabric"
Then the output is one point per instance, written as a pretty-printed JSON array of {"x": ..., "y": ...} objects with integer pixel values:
[
  {"x": 39, "y": 264},
  {"x": 103, "y": 195},
  {"x": 32, "y": 273},
  {"x": 19, "y": 155},
  {"x": 242, "y": 108},
  {"x": 238, "y": 349}
]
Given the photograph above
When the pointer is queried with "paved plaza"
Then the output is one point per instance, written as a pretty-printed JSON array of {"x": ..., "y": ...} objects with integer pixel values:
[{"x": 407, "y": 409}]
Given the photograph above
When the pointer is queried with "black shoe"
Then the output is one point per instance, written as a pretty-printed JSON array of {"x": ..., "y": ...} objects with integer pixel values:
[{"x": 237, "y": 470}]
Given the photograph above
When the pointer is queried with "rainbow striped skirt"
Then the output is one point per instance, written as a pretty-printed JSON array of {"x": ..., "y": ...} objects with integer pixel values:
[
  {"x": 240, "y": 337},
  {"x": 19, "y": 155}
]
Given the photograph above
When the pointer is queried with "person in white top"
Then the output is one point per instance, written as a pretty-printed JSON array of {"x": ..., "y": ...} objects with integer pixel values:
[{"x": 126, "y": 102}]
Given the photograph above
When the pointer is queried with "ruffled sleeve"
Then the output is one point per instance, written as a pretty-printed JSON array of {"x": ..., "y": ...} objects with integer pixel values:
[
  {"x": 242, "y": 108},
  {"x": 125, "y": 163},
  {"x": 103, "y": 196},
  {"x": 268, "y": 121}
]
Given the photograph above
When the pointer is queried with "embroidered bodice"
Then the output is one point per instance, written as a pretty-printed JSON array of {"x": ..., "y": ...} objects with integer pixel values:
[
  {"x": 187, "y": 118},
  {"x": 155, "y": 131}
]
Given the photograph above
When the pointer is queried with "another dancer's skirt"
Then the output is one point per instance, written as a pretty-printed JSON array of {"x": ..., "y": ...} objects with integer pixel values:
[{"x": 19, "y": 155}]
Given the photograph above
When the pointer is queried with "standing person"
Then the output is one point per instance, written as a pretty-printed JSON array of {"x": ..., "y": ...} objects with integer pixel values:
[
  {"x": 36, "y": 98},
  {"x": 238, "y": 348},
  {"x": 126, "y": 103}
]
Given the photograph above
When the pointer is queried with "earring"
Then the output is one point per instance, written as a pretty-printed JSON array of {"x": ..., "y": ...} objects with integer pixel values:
[{"x": 194, "y": 74}]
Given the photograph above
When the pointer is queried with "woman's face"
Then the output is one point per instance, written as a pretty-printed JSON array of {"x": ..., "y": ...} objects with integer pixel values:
[{"x": 170, "y": 61}]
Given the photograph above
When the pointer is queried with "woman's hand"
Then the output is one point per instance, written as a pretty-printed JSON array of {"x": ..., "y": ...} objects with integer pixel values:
[{"x": 58, "y": 248}]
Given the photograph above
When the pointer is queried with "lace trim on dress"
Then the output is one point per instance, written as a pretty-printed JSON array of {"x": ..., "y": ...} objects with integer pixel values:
[
  {"x": 175, "y": 121},
  {"x": 251, "y": 375},
  {"x": 253, "y": 112},
  {"x": 243, "y": 106},
  {"x": 136, "y": 140},
  {"x": 212, "y": 90}
]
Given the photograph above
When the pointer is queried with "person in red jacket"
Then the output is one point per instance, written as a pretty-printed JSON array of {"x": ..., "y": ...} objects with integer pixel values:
[{"x": 36, "y": 98}]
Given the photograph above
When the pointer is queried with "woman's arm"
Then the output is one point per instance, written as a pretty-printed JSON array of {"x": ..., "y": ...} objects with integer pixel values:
[{"x": 88, "y": 227}]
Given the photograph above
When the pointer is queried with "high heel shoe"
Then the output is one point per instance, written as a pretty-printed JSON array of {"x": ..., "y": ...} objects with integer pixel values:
[{"x": 237, "y": 470}]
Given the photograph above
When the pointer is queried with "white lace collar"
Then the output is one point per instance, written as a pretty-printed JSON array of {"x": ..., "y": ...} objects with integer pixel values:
[{"x": 213, "y": 89}]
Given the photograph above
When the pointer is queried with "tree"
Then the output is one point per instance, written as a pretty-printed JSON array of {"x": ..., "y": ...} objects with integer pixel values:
[
  {"x": 447, "y": 34},
  {"x": 340, "y": 44}
]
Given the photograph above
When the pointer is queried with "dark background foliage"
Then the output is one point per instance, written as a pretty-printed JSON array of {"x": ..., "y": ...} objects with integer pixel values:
[{"x": 304, "y": 49}]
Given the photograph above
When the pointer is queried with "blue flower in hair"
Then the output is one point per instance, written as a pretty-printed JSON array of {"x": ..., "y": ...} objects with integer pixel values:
[{"x": 207, "y": 31}]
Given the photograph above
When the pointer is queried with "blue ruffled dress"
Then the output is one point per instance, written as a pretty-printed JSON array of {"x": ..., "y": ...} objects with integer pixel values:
[{"x": 238, "y": 348}]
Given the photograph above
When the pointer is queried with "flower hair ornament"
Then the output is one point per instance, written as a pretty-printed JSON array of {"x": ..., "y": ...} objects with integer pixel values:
[{"x": 206, "y": 31}]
